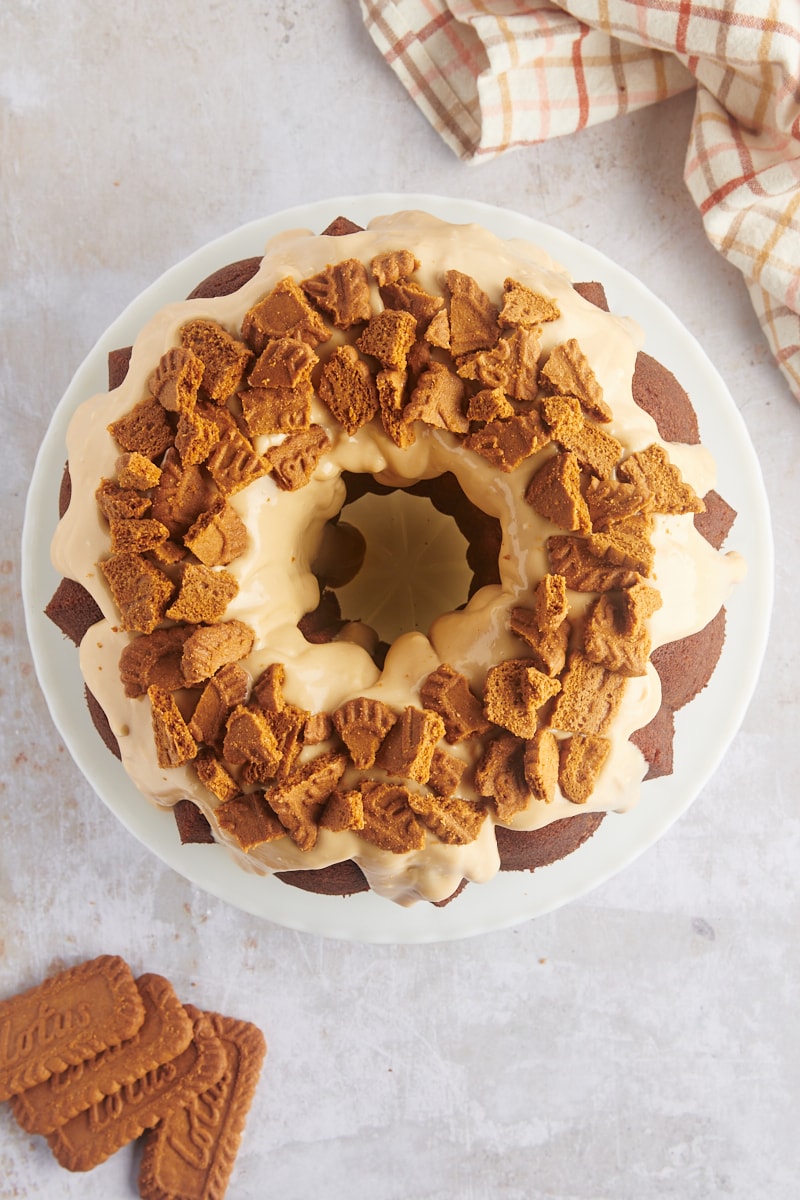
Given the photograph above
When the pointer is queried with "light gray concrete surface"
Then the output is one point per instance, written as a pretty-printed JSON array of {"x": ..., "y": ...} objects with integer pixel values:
[{"x": 641, "y": 1042}]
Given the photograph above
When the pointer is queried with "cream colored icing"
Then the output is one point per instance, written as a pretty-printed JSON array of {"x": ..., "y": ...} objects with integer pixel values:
[{"x": 276, "y": 585}]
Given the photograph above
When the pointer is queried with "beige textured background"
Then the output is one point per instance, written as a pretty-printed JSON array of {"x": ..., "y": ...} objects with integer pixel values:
[{"x": 642, "y": 1042}]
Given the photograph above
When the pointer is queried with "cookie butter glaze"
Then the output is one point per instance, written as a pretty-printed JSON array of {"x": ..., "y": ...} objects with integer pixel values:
[{"x": 276, "y": 584}]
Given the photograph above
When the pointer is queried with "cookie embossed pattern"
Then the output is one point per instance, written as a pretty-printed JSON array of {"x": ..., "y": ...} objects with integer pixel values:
[{"x": 503, "y": 900}]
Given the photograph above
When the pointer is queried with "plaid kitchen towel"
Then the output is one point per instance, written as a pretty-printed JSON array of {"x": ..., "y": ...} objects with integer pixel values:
[{"x": 491, "y": 75}]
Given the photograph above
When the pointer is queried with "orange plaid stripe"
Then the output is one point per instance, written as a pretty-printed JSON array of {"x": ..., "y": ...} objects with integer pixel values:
[{"x": 492, "y": 75}]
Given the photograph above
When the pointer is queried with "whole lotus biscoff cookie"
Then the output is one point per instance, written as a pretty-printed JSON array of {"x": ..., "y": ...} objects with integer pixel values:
[
  {"x": 191, "y": 1153},
  {"x": 65, "y": 1020},
  {"x": 164, "y": 1034},
  {"x": 105, "y": 1127}
]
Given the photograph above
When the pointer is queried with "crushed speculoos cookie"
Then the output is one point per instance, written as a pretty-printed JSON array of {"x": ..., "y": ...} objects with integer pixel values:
[
  {"x": 615, "y": 634},
  {"x": 524, "y": 307},
  {"x": 540, "y": 765},
  {"x": 545, "y": 627},
  {"x": 268, "y": 688},
  {"x": 455, "y": 821},
  {"x": 389, "y": 821},
  {"x": 288, "y": 726},
  {"x": 572, "y": 557},
  {"x": 298, "y": 803},
  {"x": 182, "y": 494},
  {"x": 626, "y": 543},
  {"x": 154, "y": 658},
  {"x": 500, "y": 775},
  {"x": 490, "y": 404},
  {"x": 362, "y": 724},
  {"x": 348, "y": 388},
  {"x": 448, "y": 693},
  {"x": 589, "y": 698},
  {"x": 512, "y": 364},
  {"x": 137, "y": 472},
  {"x": 295, "y": 460},
  {"x": 249, "y": 738},
  {"x": 176, "y": 380},
  {"x": 224, "y": 691},
  {"x": 225, "y": 359},
  {"x": 218, "y": 535},
  {"x": 445, "y": 773},
  {"x": 407, "y": 749},
  {"x": 284, "y": 363},
  {"x": 569, "y": 373},
  {"x": 515, "y": 691},
  {"x": 407, "y": 295},
  {"x": 437, "y": 332},
  {"x": 283, "y": 312},
  {"x": 473, "y": 316},
  {"x": 277, "y": 410},
  {"x": 249, "y": 820},
  {"x": 611, "y": 500},
  {"x": 174, "y": 743},
  {"x": 120, "y": 503},
  {"x": 318, "y": 729},
  {"x": 581, "y": 759},
  {"x": 392, "y": 400},
  {"x": 343, "y": 810},
  {"x": 652, "y": 469},
  {"x": 555, "y": 492},
  {"x": 203, "y": 594},
  {"x": 195, "y": 437},
  {"x": 342, "y": 291},
  {"x": 141, "y": 591},
  {"x": 168, "y": 553},
  {"x": 210, "y": 647},
  {"x": 213, "y": 775},
  {"x": 234, "y": 464},
  {"x": 596, "y": 450},
  {"x": 438, "y": 399},
  {"x": 507, "y": 443},
  {"x": 389, "y": 336},
  {"x": 393, "y": 266},
  {"x": 145, "y": 429},
  {"x": 136, "y": 536}
]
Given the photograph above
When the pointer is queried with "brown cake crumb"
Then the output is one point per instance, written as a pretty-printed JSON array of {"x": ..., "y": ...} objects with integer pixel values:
[
  {"x": 362, "y": 724},
  {"x": 348, "y": 388},
  {"x": 568, "y": 372},
  {"x": 343, "y": 810},
  {"x": 589, "y": 698},
  {"x": 389, "y": 821},
  {"x": 473, "y": 317},
  {"x": 225, "y": 359},
  {"x": 408, "y": 748},
  {"x": 342, "y": 290},
  {"x": 581, "y": 759},
  {"x": 512, "y": 364},
  {"x": 515, "y": 691},
  {"x": 224, "y": 692},
  {"x": 540, "y": 765},
  {"x": 296, "y": 459},
  {"x": 203, "y": 596},
  {"x": 438, "y": 399},
  {"x": 174, "y": 743},
  {"x": 652, "y": 469},
  {"x": 555, "y": 492},
  {"x": 505, "y": 444},
  {"x": 212, "y": 646},
  {"x": 120, "y": 503},
  {"x": 141, "y": 591},
  {"x": 234, "y": 464},
  {"x": 176, "y": 380},
  {"x": 392, "y": 266},
  {"x": 524, "y": 307},
  {"x": 500, "y": 775},
  {"x": 448, "y": 693},
  {"x": 154, "y": 658},
  {"x": 212, "y": 774},
  {"x": 453, "y": 820},
  {"x": 218, "y": 535},
  {"x": 298, "y": 804},
  {"x": 192, "y": 824},
  {"x": 277, "y": 410},
  {"x": 145, "y": 429},
  {"x": 136, "y": 536},
  {"x": 249, "y": 820},
  {"x": 136, "y": 471},
  {"x": 388, "y": 337},
  {"x": 283, "y": 312},
  {"x": 73, "y": 609}
]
